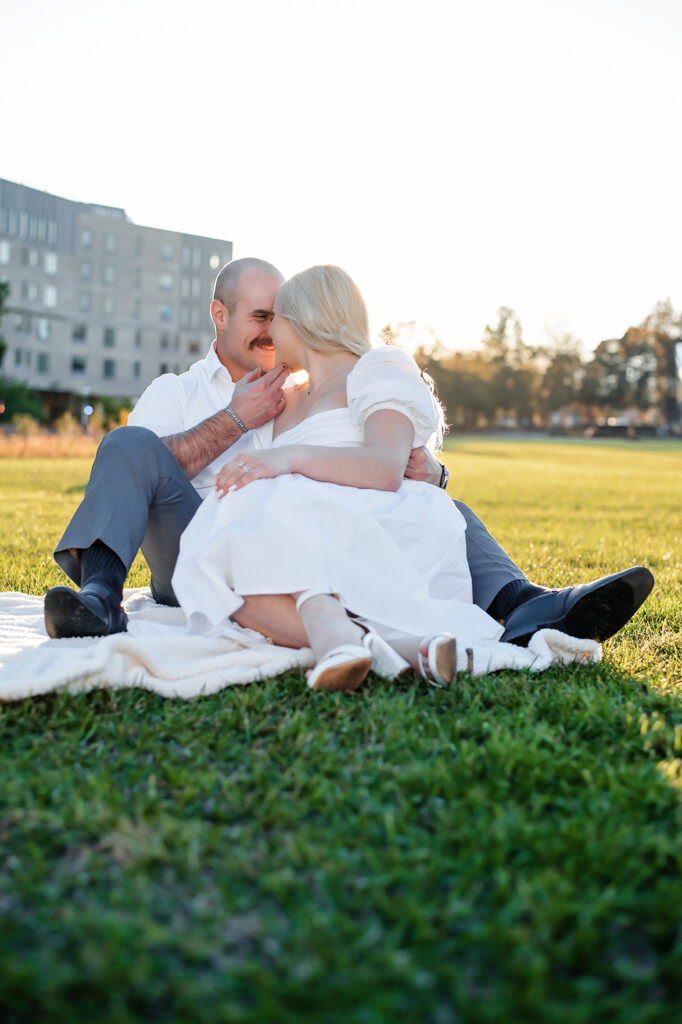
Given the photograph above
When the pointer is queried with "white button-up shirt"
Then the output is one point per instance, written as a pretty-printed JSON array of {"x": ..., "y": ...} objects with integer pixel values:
[{"x": 175, "y": 402}]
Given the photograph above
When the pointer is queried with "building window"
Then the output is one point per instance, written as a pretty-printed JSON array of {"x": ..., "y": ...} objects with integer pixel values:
[
  {"x": 23, "y": 226},
  {"x": 86, "y": 270},
  {"x": 163, "y": 368},
  {"x": 214, "y": 261},
  {"x": 33, "y": 228},
  {"x": 194, "y": 319},
  {"x": 109, "y": 337},
  {"x": 166, "y": 282},
  {"x": 109, "y": 273},
  {"x": 164, "y": 341},
  {"x": 86, "y": 238},
  {"x": 139, "y": 245},
  {"x": 186, "y": 257},
  {"x": 52, "y": 233},
  {"x": 29, "y": 291},
  {"x": 138, "y": 339},
  {"x": 184, "y": 317},
  {"x": 166, "y": 312},
  {"x": 17, "y": 357},
  {"x": 4, "y": 251},
  {"x": 3, "y": 220},
  {"x": 196, "y": 258},
  {"x": 29, "y": 258},
  {"x": 78, "y": 365},
  {"x": 50, "y": 295},
  {"x": 167, "y": 251},
  {"x": 43, "y": 362},
  {"x": 43, "y": 328},
  {"x": 51, "y": 263},
  {"x": 79, "y": 332},
  {"x": 137, "y": 368},
  {"x": 109, "y": 242},
  {"x": 85, "y": 302},
  {"x": 109, "y": 369},
  {"x": 194, "y": 348},
  {"x": 196, "y": 287},
  {"x": 22, "y": 323},
  {"x": 109, "y": 305},
  {"x": 12, "y": 224},
  {"x": 42, "y": 230}
]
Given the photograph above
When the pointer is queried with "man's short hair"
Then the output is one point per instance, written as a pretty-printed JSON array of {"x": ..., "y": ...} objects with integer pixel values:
[{"x": 225, "y": 289}]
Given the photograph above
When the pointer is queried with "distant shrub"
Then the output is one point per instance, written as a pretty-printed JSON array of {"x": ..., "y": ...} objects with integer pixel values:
[
  {"x": 44, "y": 445},
  {"x": 97, "y": 423},
  {"x": 17, "y": 398},
  {"x": 68, "y": 426},
  {"x": 115, "y": 411},
  {"x": 25, "y": 425}
]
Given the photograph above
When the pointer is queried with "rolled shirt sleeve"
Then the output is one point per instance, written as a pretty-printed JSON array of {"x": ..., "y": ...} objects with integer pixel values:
[
  {"x": 161, "y": 407},
  {"x": 174, "y": 403}
]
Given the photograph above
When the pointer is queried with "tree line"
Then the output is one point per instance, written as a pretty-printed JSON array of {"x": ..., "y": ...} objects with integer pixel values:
[{"x": 508, "y": 382}]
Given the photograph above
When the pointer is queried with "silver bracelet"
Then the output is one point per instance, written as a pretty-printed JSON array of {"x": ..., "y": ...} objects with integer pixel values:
[
  {"x": 242, "y": 426},
  {"x": 444, "y": 477}
]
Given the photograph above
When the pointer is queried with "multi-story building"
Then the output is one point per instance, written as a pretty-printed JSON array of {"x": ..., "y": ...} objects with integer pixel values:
[{"x": 99, "y": 305}]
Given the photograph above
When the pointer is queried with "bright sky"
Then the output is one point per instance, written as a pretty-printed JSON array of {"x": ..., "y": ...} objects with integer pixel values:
[{"x": 452, "y": 155}]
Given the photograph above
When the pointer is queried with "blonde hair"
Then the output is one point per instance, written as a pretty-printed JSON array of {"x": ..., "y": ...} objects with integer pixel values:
[{"x": 325, "y": 308}]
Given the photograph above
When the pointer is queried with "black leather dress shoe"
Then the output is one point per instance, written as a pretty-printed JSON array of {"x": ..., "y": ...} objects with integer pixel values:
[
  {"x": 593, "y": 611},
  {"x": 88, "y": 612}
]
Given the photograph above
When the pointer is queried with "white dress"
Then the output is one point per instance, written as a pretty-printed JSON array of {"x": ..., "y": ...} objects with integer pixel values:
[{"x": 396, "y": 559}]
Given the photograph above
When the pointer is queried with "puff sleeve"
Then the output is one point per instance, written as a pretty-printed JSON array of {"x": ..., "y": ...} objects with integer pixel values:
[{"x": 388, "y": 378}]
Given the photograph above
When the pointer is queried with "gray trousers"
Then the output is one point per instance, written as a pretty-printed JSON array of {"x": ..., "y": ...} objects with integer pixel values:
[{"x": 139, "y": 497}]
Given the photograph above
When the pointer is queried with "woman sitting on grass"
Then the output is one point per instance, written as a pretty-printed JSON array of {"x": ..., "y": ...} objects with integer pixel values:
[{"x": 320, "y": 511}]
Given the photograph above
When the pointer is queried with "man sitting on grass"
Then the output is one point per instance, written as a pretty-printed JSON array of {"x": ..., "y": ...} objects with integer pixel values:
[{"x": 149, "y": 478}]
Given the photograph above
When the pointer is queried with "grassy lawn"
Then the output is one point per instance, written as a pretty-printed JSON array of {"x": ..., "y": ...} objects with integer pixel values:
[{"x": 508, "y": 850}]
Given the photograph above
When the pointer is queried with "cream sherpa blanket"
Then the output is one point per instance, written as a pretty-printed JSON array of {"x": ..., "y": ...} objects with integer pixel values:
[{"x": 158, "y": 654}]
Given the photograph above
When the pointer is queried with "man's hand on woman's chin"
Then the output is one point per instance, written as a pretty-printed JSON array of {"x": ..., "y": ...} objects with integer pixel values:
[
  {"x": 422, "y": 466},
  {"x": 258, "y": 398}
]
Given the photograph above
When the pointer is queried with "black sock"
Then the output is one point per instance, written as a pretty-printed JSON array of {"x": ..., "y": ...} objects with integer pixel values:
[
  {"x": 511, "y": 596},
  {"x": 99, "y": 564}
]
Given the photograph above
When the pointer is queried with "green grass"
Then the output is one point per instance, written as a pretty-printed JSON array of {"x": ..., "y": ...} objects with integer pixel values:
[{"x": 507, "y": 850}]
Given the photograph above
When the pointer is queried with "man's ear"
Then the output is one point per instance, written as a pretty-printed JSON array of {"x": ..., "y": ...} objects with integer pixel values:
[{"x": 219, "y": 315}]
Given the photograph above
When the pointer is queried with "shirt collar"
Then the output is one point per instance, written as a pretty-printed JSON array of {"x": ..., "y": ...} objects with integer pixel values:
[{"x": 212, "y": 364}]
